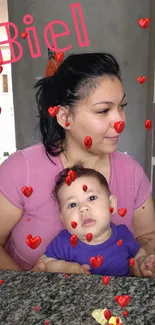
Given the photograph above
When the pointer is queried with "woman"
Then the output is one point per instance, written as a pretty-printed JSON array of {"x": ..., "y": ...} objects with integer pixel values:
[{"x": 90, "y": 99}]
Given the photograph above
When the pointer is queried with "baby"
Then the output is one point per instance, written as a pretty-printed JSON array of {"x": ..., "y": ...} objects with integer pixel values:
[{"x": 91, "y": 243}]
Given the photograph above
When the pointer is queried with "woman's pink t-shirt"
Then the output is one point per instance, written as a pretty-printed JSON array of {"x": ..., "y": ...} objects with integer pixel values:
[{"x": 31, "y": 167}]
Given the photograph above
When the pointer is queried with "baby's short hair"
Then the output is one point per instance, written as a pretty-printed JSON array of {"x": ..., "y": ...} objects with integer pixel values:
[{"x": 80, "y": 172}]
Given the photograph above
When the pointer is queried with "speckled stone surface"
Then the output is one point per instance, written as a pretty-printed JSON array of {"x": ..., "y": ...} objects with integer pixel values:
[{"x": 70, "y": 301}]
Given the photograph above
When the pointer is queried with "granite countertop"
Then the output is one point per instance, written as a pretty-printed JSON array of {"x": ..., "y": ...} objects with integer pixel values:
[{"x": 52, "y": 299}]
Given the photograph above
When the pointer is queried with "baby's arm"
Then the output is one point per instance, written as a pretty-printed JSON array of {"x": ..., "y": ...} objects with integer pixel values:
[{"x": 61, "y": 266}]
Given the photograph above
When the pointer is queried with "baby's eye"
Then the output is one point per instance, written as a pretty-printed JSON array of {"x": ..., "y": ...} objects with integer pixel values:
[
  {"x": 71, "y": 205},
  {"x": 92, "y": 197}
]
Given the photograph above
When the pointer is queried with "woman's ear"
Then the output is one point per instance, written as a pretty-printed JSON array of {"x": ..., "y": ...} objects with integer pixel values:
[
  {"x": 113, "y": 203},
  {"x": 63, "y": 117}
]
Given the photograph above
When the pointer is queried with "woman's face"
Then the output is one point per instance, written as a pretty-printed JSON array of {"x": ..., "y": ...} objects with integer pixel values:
[{"x": 95, "y": 117}]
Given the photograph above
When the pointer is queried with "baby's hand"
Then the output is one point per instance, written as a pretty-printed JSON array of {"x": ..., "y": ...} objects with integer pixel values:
[
  {"x": 82, "y": 269},
  {"x": 147, "y": 266}
]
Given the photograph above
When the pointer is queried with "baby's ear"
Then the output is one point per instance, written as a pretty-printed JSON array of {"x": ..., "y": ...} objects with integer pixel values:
[{"x": 113, "y": 203}]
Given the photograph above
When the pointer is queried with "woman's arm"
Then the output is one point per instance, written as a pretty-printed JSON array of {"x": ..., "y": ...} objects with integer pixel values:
[
  {"x": 9, "y": 216},
  {"x": 144, "y": 225},
  {"x": 60, "y": 266}
]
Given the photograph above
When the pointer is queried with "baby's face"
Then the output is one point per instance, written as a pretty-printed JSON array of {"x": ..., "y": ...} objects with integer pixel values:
[{"x": 90, "y": 209}]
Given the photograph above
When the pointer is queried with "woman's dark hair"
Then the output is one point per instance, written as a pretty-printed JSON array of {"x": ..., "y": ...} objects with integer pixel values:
[
  {"x": 74, "y": 80},
  {"x": 80, "y": 172}
]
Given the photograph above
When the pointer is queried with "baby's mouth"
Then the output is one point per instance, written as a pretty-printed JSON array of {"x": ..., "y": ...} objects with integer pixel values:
[{"x": 88, "y": 222}]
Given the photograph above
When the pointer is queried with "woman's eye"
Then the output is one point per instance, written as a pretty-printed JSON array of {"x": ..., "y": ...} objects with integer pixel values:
[
  {"x": 92, "y": 197},
  {"x": 72, "y": 205},
  {"x": 104, "y": 112},
  {"x": 123, "y": 105}
]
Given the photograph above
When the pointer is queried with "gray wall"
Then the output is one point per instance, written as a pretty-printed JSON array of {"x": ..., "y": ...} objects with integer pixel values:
[{"x": 112, "y": 27}]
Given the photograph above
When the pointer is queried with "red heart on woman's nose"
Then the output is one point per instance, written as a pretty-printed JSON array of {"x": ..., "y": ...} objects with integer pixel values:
[
  {"x": 119, "y": 126},
  {"x": 96, "y": 261}
]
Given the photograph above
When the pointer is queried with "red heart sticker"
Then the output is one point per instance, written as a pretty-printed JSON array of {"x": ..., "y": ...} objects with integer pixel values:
[
  {"x": 89, "y": 237},
  {"x": 148, "y": 124},
  {"x": 132, "y": 261},
  {"x": 27, "y": 190},
  {"x": 106, "y": 279},
  {"x": 53, "y": 111},
  {"x": 111, "y": 210},
  {"x": 125, "y": 313},
  {"x": 59, "y": 57},
  {"x": 68, "y": 180},
  {"x": 122, "y": 212},
  {"x": 96, "y": 261},
  {"x": 1, "y": 281},
  {"x": 73, "y": 224},
  {"x": 144, "y": 23},
  {"x": 46, "y": 322},
  {"x": 123, "y": 301},
  {"x": 73, "y": 240},
  {"x": 143, "y": 207},
  {"x": 72, "y": 174},
  {"x": 67, "y": 124},
  {"x": 1, "y": 68},
  {"x": 107, "y": 314},
  {"x": 23, "y": 35},
  {"x": 88, "y": 142},
  {"x": 119, "y": 126},
  {"x": 36, "y": 308},
  {"x": 141, "y": 80},
  {"x": 66, "y": 276},
  {"x": 84, "y": 187},
  {"x": 33, "y": 242},
  {"x": 120, "y": 242}
]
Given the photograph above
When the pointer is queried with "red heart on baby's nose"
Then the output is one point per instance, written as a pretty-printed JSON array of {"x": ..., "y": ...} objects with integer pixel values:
[
  {"x": 119, "y": 126},
  {"x": 96, "y": 261},
  {"x": 122, "y": 212},
  {"x": 123, "y": 301}
]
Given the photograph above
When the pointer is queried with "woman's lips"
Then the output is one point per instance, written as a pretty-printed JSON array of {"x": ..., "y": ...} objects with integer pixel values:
[{"x": 113, "y": 139}]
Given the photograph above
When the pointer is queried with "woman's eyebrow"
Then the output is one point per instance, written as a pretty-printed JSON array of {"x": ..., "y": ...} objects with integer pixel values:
[{"x": 107, "y": 102}]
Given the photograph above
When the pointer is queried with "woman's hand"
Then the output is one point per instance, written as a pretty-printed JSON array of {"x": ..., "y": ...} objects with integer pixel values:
[
  {"x": 147, "y": 266},
  {"x": 144, "y": 266},
  {"x": 39, "y": 267}
]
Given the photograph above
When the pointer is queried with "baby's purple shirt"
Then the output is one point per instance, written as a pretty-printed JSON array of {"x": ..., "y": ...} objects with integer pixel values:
[{"x": 115, "y": 257}]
